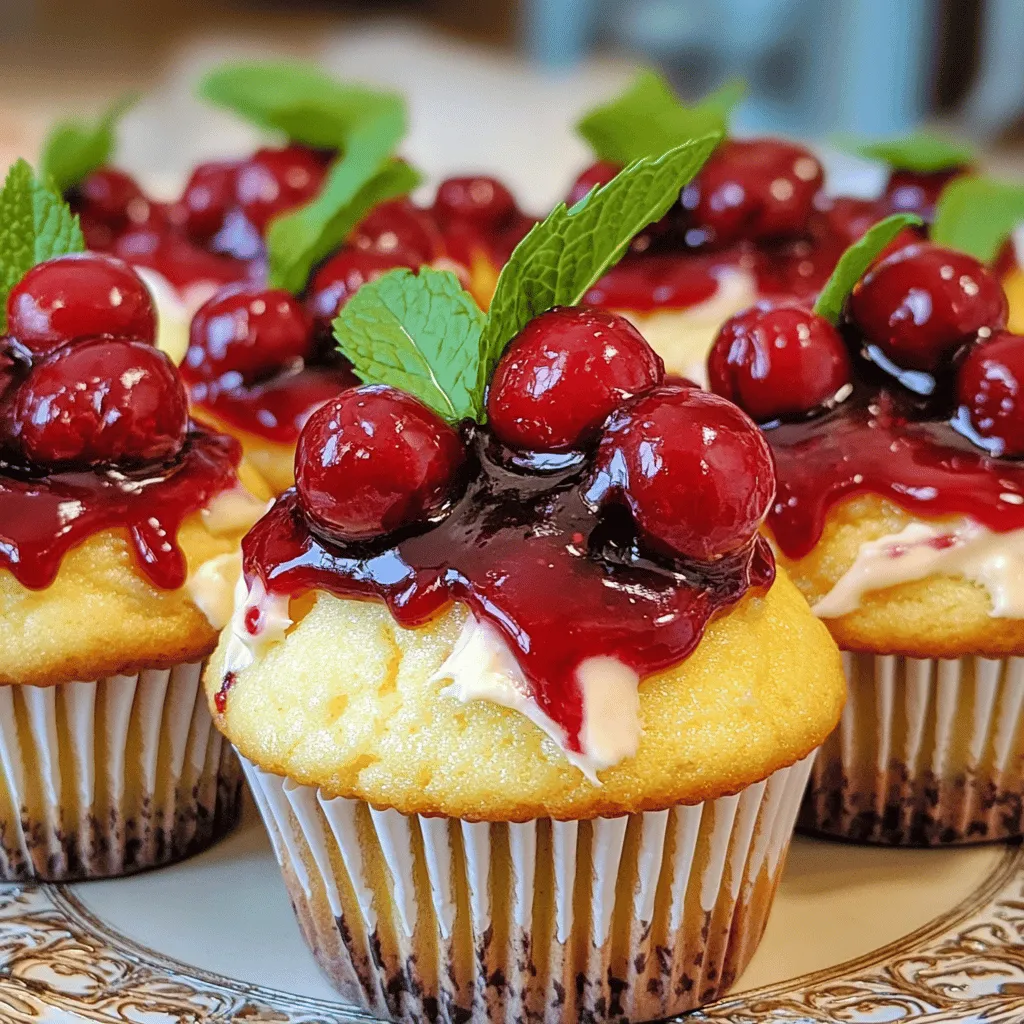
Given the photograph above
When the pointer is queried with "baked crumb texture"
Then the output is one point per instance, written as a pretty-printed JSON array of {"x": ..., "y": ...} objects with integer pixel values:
[{"x": 435, "y": 919}]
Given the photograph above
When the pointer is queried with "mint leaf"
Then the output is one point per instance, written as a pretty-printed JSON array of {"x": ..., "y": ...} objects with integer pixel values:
[
  {"x": 297, "y": 241},
  {"x": 977, "y": 215},
  {"x": 562, "y": 257},
  {"x": 420, "y": 333},
  {"x": 35, "y": 225},
  {"x": 301, "y": 101},
  {"x": 857, "y": 258},
  {"x": 74, "y": 149},
  {"x": 921, "y": 151},
  {"x": 648, "y": 119}
]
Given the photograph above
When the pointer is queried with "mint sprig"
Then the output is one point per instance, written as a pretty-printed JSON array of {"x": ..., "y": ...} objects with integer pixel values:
[
  {"x": 424, "y": 334},
  {"x": 35, "y": 225},
  {"x": 922, "y": 151},
  {"x": 856, "y": 260},
  {"x": 420, "y": 333},
  {"x": 649, "y": 119},
  {"x": 977, "y": 215},
  {"x": 300, "y": 101},
  {"x": 73, "y": 149}
]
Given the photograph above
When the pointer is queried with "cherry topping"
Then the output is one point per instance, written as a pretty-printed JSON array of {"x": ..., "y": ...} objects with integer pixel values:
[
  {"x": 208, "y": 196},
  {"x": 247, "y": 330},
  {"x": 695, "y": 471},
  {"x": 273, "y": 181},
  {"x": 917, "y": 191},
  {"x": 484, "y": 202},
  {"x": 104, "y": 401},
  {"x": 401, "y": 230},
  {"x": 919, "y": 305},
  {"x": 990, "y": 392},
  {"x": 344, "y": 274},
  {"x": 756, "y": 189},
  {"x": 599, "y": 173},
  {"x": 373, "y": 460},
  {"x": 110, "y": 196},
  {"x": 562, "y": 375},
  {"x": 79, "y": 296},
  {"x": 777, "y": 362}
]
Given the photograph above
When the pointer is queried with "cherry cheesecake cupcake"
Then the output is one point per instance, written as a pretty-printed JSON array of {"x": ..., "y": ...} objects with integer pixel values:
[
  {"x": 120, "y": 524},
  {"x": 895, "y": 421},
  {"x": 525, "y": 706}
]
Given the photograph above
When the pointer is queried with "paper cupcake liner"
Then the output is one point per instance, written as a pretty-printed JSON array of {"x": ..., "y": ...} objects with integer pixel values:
[
  {"x": 928, "y": 752},
  {"x": 111, "y": 777},
  {"x": 416, "y": 918}
]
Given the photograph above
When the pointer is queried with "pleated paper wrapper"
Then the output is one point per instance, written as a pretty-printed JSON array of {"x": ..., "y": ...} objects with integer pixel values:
[
  {"x": 417, "y": 918},
  {"x": 927, "y": 753},
  {"x": 111, "y": 777}
]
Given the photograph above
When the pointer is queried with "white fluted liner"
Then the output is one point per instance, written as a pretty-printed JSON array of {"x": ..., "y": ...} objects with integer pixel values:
[
  {"x": 439, "y": 919},
  {"x": 110, "y": 777},
  {"x": 927, "y": 752}
]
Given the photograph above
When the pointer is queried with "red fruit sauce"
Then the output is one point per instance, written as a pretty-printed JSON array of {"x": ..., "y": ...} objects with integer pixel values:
[
  {"x": 43, "y": 516},
  {"x": 883, "y": 441},
  {"x": 514, "y": 545}
]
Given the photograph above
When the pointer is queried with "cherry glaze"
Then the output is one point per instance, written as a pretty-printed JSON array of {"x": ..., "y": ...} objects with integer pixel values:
[
  {"x": 526, "y": 553},
  {"x": 42, "y": 517},
  {"x": 883, "y": 441}
]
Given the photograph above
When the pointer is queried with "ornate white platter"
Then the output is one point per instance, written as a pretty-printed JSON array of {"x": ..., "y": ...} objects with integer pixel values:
[{"x": 857, "y": 935}]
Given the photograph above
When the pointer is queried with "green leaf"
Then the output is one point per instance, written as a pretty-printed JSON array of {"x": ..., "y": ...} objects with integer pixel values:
[
  {"x": 648, "y": 119},
  {"x": 857, "y": 258},
  {"x": 297, "y": 241},
  {"x": 420, "y": 333},
  {"x": 563, "y": 256},
  {"x": 977, "y": 215},
  {"x": 301, "y": 101},
  {"x": 921, "y": 151},
  {"x": 35, "y": 225},
  {"x": 74, "y": 149}
]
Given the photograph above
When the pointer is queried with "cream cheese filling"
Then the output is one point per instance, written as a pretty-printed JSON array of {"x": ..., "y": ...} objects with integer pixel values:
[{"x": 966, "y": 549}]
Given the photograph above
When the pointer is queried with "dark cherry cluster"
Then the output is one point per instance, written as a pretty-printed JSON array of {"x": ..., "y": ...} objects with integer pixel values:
[
  {"x": 925, "y": 319},
  {"x": 576, "y": 385},
  {"x": 83, "y": 385}
]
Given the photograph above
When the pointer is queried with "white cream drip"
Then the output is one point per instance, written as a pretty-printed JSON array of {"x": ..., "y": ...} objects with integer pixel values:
[
  {"x": 965, "y": 549},
  {"x": 683, "y": 337},
  {"x": 212, "y": 587},
  {"x": 274, "y": 621},
  {"x": 482, "y": 667}
]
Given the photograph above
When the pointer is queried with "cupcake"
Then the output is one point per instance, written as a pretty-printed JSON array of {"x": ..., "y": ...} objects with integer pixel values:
[
  {"x": 898, "y": 435},
  {"x": 120, "y": 524},
  {"x": 525, "y": 707},
  {"x": 754, "y": 223}
]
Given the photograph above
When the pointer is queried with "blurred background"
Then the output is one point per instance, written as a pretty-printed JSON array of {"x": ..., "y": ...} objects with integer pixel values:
[{"x": 497, "y": 84}]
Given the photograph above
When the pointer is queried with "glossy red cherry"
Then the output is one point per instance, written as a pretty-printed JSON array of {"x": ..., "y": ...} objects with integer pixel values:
[
  {"x": 109, "y": 195},
  {"x": 562, "y": 375},
  {"x": 104, "y": 401},
  {"x": 990, "y": 392},
  {"x": 247, "y": 330},
  {"x": 184, "y": 263},
  {"x": 274, "y": 181},
  {"x": 79, "y": 296},
  {"x": 599, "y": 173},
  {"x": 920, "y": 304},
  {"x": 399, "y": 228},
  {"x": 344, "y": 274},
  {"x": 917, "y": 191},
  {"x": 754, "y": 188},
  {"x": 208, "y": 196},
  {"x": 373, "y": 460},
  {"x": 484, "y": 202},
  {"x": 778, "y": 362},
  {"x": 695, "y": 471}
]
